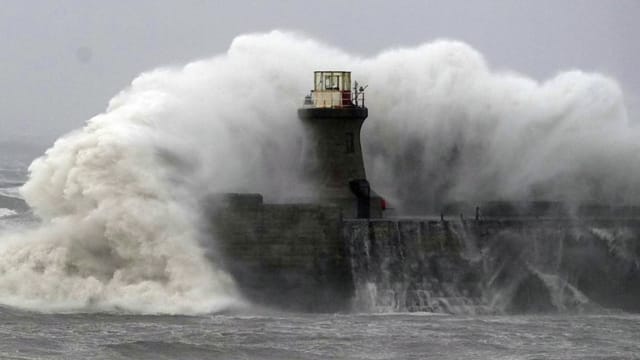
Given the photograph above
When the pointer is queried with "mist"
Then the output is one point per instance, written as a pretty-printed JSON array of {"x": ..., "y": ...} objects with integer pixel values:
[
  {"x": 119, "y": 199},
  {"x": 452, "y": 129}
]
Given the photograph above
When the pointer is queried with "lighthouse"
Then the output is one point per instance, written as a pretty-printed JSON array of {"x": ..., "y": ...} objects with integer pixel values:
[{"x": 333, "y": 115}]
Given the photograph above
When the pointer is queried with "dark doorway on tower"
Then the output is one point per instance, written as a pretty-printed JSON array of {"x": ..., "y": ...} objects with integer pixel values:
[
  {"x": 361, "y": 189},
  {"x": 350, "y": 147}
]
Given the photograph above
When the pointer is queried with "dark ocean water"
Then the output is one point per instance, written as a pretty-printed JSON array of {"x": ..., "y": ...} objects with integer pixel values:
[{"x": 28, "y": 335}]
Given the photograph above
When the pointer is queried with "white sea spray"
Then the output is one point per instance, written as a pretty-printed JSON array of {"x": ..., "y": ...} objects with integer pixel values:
[{"x": 119, "y": 198}]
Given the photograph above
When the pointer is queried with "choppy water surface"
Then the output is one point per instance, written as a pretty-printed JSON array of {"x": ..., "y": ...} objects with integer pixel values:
[{"x": 400, "y": 336}]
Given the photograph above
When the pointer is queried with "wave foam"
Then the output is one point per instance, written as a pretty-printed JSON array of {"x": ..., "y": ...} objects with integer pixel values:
[{"x": 118, "y": 198}]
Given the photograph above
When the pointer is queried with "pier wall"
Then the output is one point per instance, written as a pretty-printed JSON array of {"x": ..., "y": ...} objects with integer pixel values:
[
  {"x": 306, "y": 257},
  {"x": 289, "y": 256}
]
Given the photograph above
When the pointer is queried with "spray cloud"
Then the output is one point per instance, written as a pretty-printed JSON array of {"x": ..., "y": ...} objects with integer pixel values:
[{"x": 121, "y": 224}]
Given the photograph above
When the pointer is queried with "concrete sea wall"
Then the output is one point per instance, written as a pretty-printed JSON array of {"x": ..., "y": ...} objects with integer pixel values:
[
  {"x": 306, "y": 257},
  {"x": 495, "y": 265},
  {"x": 286, "y": 256},
  {"x": 411, "y": 265}
]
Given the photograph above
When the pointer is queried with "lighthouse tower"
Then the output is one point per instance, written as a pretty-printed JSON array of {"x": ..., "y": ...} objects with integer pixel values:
[{"x": 333, "y": 116}]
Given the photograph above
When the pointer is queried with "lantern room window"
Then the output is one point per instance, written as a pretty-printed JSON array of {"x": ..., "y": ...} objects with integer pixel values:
[{"x": 332, "y": 80}]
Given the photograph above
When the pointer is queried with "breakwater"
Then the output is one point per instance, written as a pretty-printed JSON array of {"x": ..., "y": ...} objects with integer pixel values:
[
  {"x": 306, "y": 257},
  {"x": 495, "y": 265}
]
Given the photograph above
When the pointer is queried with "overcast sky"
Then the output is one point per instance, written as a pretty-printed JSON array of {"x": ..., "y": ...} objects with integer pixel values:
[{"x": 61, "y": 61}]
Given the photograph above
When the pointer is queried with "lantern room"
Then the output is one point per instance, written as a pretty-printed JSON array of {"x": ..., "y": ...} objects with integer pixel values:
[{"x": 332, "y": 89}]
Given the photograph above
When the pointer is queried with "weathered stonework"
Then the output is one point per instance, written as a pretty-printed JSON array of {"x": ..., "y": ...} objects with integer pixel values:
[
  {"x": 288, "y": 256},
  {"x": 307, "y": 257}
]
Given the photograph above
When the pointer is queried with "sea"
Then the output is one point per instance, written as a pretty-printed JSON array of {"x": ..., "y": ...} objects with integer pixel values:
[
  {"x": 265, "y": 334},
  {"x": 28, "y": 335}
]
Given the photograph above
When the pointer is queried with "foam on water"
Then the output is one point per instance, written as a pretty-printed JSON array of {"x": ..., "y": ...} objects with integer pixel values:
[
  {"x": 13, "y": 192},
  {"x": 6, "y": 212}
]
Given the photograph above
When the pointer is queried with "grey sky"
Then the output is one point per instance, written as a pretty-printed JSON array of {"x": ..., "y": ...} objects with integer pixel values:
[{"x": 61, "y": 61}]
